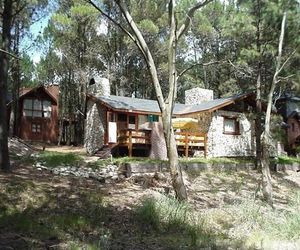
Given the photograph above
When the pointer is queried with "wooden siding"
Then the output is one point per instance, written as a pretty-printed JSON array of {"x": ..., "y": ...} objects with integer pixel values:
[
  {"x": 47, "y": 127},
  {"x": 293, "y": 131}
]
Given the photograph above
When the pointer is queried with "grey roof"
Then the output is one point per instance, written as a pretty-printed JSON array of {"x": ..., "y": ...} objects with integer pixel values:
[{"x": 151, "y": 106}]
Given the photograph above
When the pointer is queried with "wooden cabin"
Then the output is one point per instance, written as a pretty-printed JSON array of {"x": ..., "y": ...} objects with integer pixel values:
[
  {"x": 38, "y": 114},
  {"x": 289, "y": 108},
  {"x": 130, "y": 125}
]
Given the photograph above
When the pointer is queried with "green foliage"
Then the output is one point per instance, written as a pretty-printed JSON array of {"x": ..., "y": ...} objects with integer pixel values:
[
  {"x": 27, "y": 71},
  {"x": 221, "y": 160},
  {"x": 148, "y": 26},
  {"x": 287, "y": 160},
  {"x": 54, "y": 159}
]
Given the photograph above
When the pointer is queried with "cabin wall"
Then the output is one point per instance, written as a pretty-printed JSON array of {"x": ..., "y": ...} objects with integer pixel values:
[
  {"x": 48, "y": 126},
  {"x": 293, "y": 130},
  {"x": 230, "y": 145}
]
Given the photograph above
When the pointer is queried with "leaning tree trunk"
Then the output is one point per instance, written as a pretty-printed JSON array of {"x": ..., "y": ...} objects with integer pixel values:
[
  {"x": 4, "y": 61},
  {"x": 174, "y": 167},
  {"x": 166, "y": 106},
  {"x": 266, "y": 137}
]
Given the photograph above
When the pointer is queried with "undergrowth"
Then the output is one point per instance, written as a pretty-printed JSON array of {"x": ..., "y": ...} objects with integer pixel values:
[
  {"x": 168, "y": 215},
  {"x": 288, "y": 159},
  {"x": 54, "y": 159},
  {"x": 245, "y": 224}
]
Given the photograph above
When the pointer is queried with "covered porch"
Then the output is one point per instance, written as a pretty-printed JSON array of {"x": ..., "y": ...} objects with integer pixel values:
[{"x": 129, "y": 134}]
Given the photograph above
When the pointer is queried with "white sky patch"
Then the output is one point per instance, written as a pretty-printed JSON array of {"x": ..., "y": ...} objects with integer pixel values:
[
  {"x": 102, "y": 29},
  {"x": 36, "y": 57}
]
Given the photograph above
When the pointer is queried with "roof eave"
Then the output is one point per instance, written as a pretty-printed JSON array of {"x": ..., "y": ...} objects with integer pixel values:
[{"x": 95, "y": 99}]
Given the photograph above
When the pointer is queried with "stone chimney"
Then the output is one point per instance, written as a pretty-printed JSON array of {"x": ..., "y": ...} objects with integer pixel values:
[
  {"x": 198, "y": 95},
  {"x": 95, "y": 115},
  {"x": 99, "y": 86}
]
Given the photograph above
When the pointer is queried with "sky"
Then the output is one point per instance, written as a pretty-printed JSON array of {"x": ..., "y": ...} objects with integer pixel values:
[{"x": 36, "y": 29}]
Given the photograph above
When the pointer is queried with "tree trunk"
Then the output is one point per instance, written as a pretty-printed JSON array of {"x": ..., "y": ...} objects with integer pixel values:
[
  {"x": 4, "y": 66},
  {"x": 265, "y": 169},
  {"x": 60, "y": 129},
  {"x": 16, "y": 81},
  {"x": 258, "y": 122},
  {"x": 266, "y": 140},
  {"x": 258, "y": 125},
  {"x": 175, "y": 169}
]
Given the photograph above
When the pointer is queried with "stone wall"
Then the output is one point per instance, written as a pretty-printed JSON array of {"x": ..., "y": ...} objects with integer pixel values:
[
  {"x": 198, "y": 95},
  {"x": 224, "y": 145},
  {"x": 96, "y": 117},
  {"x": 94, "y": 128}
]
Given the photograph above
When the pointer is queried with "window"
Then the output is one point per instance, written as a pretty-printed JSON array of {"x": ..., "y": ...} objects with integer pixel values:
[
  {"x": 231, "y": 126},
  {"x": 122, "y": 118},
  {"x": 35, "y": 128},
  {"x": 111, "y": 117},
  {"x": 47, "y": 109},
  {"x": 153, "y": 118},
  {"x": 131, "y": 122},
  {"x": 36, "y": 108},
  {"x": 142, "y": 119},
  {"x": 293, "y": 127}
]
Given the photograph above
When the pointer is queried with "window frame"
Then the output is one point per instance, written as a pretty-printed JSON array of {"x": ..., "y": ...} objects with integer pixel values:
[
  {"x": 32, "y": 110},
  {"x": 36, "y": 128},
  {"x": 236, "y": 126}
]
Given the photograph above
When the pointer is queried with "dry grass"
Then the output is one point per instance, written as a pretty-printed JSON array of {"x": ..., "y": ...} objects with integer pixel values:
[{"x": 40, "y": 210}]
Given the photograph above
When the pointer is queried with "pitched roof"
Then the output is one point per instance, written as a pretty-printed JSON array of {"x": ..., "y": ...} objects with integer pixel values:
[
  {"x": 295, "y": 114},
  {"x": 122, "y": 103},
  {"x": 52, "y": 91}
]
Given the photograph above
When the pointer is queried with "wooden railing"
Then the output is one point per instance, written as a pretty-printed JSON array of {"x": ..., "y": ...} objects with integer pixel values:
[
  {"x": 188, "y": 141},
  {"x": 191, "y": 141},
  {"x": 131, "y": 137}
]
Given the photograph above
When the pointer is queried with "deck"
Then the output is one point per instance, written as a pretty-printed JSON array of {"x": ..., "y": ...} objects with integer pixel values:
[{"x": 130, "y": 141}]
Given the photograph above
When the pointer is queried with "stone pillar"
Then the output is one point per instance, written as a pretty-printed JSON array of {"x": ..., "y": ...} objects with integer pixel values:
[
  {"x": 96, "y": 117},
  {"x": 158, "y": 143},
  {"x": 198, "y": 95}
]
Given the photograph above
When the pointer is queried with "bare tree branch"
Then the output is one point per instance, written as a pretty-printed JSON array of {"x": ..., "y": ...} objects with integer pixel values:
[
  {"x": 198, "y": 64},
  {"x": 280, "y": 78},
  {"x": 286, "y": 61},
  {"x": 172, "y": 57},
  {"x": 142, "y": 45},
  {"x": 184, "y": 27},
  {"x": 275, "y": 80},
  {"x": 242, "y": 70},
  {"x": 117, "y": 24},
  {"x": 8, "y": 53},
  {"x": 20, "y": 10}
]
